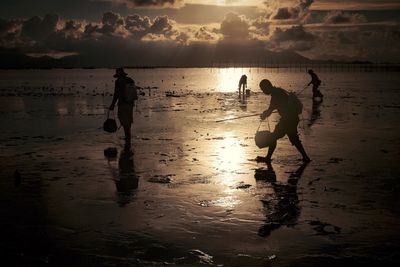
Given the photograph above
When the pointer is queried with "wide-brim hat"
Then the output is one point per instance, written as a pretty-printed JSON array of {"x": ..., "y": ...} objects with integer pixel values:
[{"x": 119, "y": 72}]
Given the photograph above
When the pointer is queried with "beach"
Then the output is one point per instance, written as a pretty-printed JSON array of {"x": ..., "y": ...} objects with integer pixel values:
[{"x": 193, "y": 193}]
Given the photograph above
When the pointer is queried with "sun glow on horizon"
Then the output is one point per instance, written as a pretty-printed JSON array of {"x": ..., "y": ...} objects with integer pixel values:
[{"x": 228, "y": 79}]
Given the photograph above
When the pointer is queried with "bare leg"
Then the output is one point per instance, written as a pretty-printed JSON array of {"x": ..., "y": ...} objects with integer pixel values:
[
  {"x": 316, "y": 92},
  {"x": 271, "y": 150},
  {"x": 300, "y": 148}
]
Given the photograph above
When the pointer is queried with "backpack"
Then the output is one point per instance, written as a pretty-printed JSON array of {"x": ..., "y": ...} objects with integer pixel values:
[
  {"x": 294, "y": 103},
  {"x": 129, "y": 94}
]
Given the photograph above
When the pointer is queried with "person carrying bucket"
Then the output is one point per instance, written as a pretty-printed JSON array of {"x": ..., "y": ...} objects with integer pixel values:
[
  {"x": 282, "y": 101},
  {"x": 125, "y": 93}
]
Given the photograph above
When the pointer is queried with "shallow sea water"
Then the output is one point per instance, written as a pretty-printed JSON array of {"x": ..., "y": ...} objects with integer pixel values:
[{"x": 193, "y": 193}]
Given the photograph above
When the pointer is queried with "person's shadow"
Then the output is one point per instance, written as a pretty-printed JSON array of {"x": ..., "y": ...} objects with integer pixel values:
[
  {"x": 282, "y": 207},
  {"x": 125, "y": 178},
  {"x": 315, "y": 112}
]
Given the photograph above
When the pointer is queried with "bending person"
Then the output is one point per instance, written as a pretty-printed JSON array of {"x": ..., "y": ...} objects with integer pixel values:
[
  {"x": 289, "y": 118},
  {"x": 242, "y": 85}
]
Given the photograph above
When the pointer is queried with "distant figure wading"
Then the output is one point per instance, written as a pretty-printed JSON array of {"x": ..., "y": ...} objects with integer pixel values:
[
  {"x": 316, "y": 82},
  {"x": 125, "y": 94},
  {"x": 288, "y": 121},
  {"x": 242, "y": 85}
]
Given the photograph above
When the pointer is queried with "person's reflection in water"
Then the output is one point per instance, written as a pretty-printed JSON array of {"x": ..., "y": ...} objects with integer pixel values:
[
  {"x": 282, "y": 207},
  {"x": 266, "y": 175},
  {"x": 315, "y": 112},
  {"x": 126, "y": 181}
]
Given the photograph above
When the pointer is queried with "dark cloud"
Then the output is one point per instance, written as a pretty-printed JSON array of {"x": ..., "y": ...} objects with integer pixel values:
[
  {"x": 37, "y": 28},
  {"x": 143, "y": 40},
  {"x": 9, "y": 28},
  {"x": 295, "y": 33},
  {"x": 286, "y": 13},
  {"x": 261, "y": 23},
  {"x": 137, "y": 23},
  {"x": 345, "y": 38},
  {"x": 338, "y": 17},
  {"x": 206, "y": 34},
  {"x": 132, "y": 26},
  {"x": 6, "y": 26},
  {"x": 112, "y": 19},
  {"x": 235, "y": 26},
  {"x": 376, "y": 43},
  {"x": 146, "y": 3},
  {"x": 296, "y": 12},
  {"x": 295, "y": 38},
  {"x": 161, "y": 24}
]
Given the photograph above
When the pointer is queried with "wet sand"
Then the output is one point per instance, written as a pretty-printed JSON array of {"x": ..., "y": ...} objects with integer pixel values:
[{"x": 193, "y": 194}]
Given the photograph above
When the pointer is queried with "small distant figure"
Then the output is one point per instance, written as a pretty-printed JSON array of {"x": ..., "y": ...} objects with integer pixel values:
[
  {"x": 125, "y": 93},
  {"x": 242, "y": 85},
  {"x": 289, "y": 119},
  {"x": 316, "y": 82}
]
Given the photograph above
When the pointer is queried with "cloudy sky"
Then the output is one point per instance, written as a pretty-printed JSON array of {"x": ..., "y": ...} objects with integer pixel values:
[{"x": 184, "y": 32}]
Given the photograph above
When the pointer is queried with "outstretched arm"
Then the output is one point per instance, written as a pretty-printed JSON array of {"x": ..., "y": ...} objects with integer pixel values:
[{"x": 267, "y": 113}]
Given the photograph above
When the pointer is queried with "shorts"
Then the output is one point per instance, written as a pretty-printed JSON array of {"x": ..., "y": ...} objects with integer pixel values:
[
  {"x": 288, "y": 126},
  {"x": 125, "y": 114}
]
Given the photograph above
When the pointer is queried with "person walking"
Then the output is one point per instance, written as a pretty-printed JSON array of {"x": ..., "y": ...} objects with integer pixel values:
[
  {"x": 316, "y": 82},
  {"x": 125, "y": 94},
  {"x": 289, "y": 118}
]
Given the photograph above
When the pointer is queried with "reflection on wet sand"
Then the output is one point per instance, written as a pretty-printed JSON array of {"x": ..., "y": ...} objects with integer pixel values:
[
  {"x": 315, "y": 112},
  {"x": 125, "y": 178},
  {"x": 282, "y": 206}
]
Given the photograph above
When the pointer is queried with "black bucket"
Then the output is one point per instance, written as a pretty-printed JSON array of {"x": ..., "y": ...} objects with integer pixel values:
[
  {"x": 264, "y": 139},
  {"x": 110, "y": 125}
]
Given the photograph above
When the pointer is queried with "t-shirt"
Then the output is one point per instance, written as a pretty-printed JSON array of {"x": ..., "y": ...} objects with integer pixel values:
[{"x": 120, "y": 87}]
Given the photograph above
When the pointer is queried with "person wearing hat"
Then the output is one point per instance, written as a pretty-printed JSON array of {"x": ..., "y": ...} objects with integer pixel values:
[
  {"x": 316, "y": 82},
  {"x": 125, "y": 104},
  {"x": 288, "y": 122}
]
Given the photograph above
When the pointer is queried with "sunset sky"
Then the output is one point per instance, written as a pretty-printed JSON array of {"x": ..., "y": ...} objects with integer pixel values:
[{"x": 178, "y": 32}]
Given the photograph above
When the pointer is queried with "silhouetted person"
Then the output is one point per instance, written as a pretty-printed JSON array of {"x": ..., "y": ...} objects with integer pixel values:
[
  {"x": 289, "y": 119},
  {"x": 282, "y": 208},
  {"x": 125, "y": 95},
  {"x": 316, "y": 82},
  {"x": 242, "y": 85}
]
